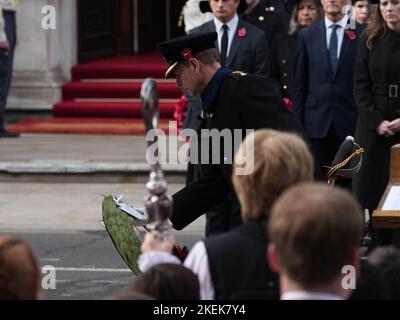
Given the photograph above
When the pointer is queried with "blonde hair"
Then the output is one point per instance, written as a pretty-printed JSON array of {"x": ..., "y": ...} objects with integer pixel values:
[
  {"x": 315, "y": 230},
  {"x": 280, "y": 160}
]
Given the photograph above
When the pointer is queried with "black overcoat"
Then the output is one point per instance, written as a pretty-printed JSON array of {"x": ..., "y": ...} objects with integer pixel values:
[
  {"x": 242, "y": 102},
  {"x": 283, "y": 54},
  {"x": 376, "y": 70}
]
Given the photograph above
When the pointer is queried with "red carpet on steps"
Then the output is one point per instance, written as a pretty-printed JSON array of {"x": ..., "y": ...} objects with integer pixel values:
[
  {"x": 72, "y": 109},
  {"x": 74, "y": 90},
  {"x": 149, "y": 65},
  {"x": 98, "y": 88},
  {"x": 84, "y": 126},
  {"x": 104, "y": 97}
]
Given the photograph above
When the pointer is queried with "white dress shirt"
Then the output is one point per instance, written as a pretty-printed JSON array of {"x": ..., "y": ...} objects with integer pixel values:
[
  {"x": 340, "y": 31},
  {"x": 3, "y": 35},
  {"x": 197, "y": 261},
  {"x": 232, "y": 26}
]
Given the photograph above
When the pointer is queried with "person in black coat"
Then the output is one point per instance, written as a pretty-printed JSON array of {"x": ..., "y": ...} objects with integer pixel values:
[
  {"x": 247, "y": 50},
  {"x": 233, "y": 265},
  {"x": 283, "y": 50},
  {"x": 245, "y": 246},
  {"x": 266, "y": 15},
  {"x": 377, "y": 93},
  {"x": 231, "y": 100}
]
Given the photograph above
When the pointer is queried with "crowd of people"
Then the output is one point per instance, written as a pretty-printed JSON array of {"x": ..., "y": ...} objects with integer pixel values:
[
  {"x": 324, "y": 65},
  {"x": 304, "y": 75},
  {"x": 296, "y": 241},
  {"x": 335, "y": 66}
]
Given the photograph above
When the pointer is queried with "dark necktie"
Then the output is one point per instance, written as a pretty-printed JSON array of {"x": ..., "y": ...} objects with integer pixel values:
[
  {"x": 333, "y": 48},
  {"x": 224, "y": 45}
]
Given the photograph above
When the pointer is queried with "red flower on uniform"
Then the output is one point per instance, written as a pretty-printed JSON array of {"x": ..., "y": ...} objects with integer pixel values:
[
  {"x": 288, "y": 103},
  {"x": 180, "y": 112},
  {"x": 186, "y": 54},
  {"x": 351, "y": 34},
  {"x": 242, "y": 32}
]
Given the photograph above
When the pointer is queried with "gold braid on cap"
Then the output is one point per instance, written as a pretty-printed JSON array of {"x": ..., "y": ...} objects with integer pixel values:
[
  {"x": 180, "y": 20},
  {"x": 344, "y": 162}
]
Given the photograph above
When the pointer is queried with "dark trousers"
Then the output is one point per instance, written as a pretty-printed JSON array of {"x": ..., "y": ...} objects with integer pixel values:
[
  {"x": 325, "y": 150},
  {"x": 222, "y": 217},
  {"x": 6, "y": 62}
]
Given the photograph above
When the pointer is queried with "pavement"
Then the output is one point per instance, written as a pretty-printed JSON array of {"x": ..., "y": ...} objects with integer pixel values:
[
  {"x": 85, "y": 263},
  {"x": 35, "y": 157},
  {"x": 70, "y": 196},
  {"x": 51, "y": 191}
]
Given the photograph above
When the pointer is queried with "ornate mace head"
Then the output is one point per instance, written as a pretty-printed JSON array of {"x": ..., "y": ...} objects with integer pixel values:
[{"x": 158, "y": 204}]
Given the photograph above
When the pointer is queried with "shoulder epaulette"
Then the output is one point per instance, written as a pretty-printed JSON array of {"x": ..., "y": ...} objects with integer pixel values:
[{"x": 239, "y": 73}]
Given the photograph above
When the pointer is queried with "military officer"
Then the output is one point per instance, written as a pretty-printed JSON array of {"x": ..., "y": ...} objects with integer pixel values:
[
  {"x": 268, "y": 15},
  {"x": 230, "y": 100}
]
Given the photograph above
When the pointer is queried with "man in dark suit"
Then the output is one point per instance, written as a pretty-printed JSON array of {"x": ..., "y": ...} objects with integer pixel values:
[
  {"x": 241, "y": 46},
  {"x": 231, "y": 100},
  {"x": 323, "y": 88}
]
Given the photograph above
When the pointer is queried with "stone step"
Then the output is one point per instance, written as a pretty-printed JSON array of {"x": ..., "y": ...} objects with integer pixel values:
[{"x": 81, "y": 171}]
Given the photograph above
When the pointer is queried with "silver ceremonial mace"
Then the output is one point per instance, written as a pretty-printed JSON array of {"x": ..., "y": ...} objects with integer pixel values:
[{"x": 158, "y": 205}]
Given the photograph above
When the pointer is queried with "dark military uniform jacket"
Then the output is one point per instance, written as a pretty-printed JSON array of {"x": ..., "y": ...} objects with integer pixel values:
[
  {"x": 282, "y": 62},
  {"x": 235, "y": 100},
  {"x": 278, "y": 7},
  {"x": 266, "y": 16}
]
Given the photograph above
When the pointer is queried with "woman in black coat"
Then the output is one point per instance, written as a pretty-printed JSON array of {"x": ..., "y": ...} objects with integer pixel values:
[
  {"x": 377, "y": 93},
  {"x": 283, "y": 50}
]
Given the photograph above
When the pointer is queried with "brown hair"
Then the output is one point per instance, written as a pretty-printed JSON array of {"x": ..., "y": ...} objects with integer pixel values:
[
  {"x": 19, "y": 271},
  {"x": 168, "y": 282},
  {"x": 208, "y": 56},
  {"x": 315, "y": 230},
  {"x": 376, "y": 29},
  {"x": 386, "y": 260},
  {"x": 280, "y": 160}
]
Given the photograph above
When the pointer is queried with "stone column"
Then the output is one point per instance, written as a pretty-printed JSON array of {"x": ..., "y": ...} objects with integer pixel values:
[{"x": 43, "y": 58}]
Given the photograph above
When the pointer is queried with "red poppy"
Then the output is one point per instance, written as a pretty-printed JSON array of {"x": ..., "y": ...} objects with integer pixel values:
[
  {"x": 242, "y": 32},
  {"x": 351, "y": 34},
  {"x": 180, "y": 112},
  {"x": 186, "y": 54},
  {"x": 288, "y": 103}
]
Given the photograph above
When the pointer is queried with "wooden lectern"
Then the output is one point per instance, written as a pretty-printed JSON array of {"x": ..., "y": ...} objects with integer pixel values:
[{"x": 387, "y": 215}]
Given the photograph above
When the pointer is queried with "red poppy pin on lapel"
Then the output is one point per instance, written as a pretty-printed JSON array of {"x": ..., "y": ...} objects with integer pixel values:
[
  {"x": 242, "y": 32},
  {"x": 351, "y": 34}
]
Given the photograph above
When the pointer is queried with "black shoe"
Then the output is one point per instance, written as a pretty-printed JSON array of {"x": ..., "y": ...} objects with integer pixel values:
[{"x": 8, "y": 134}]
